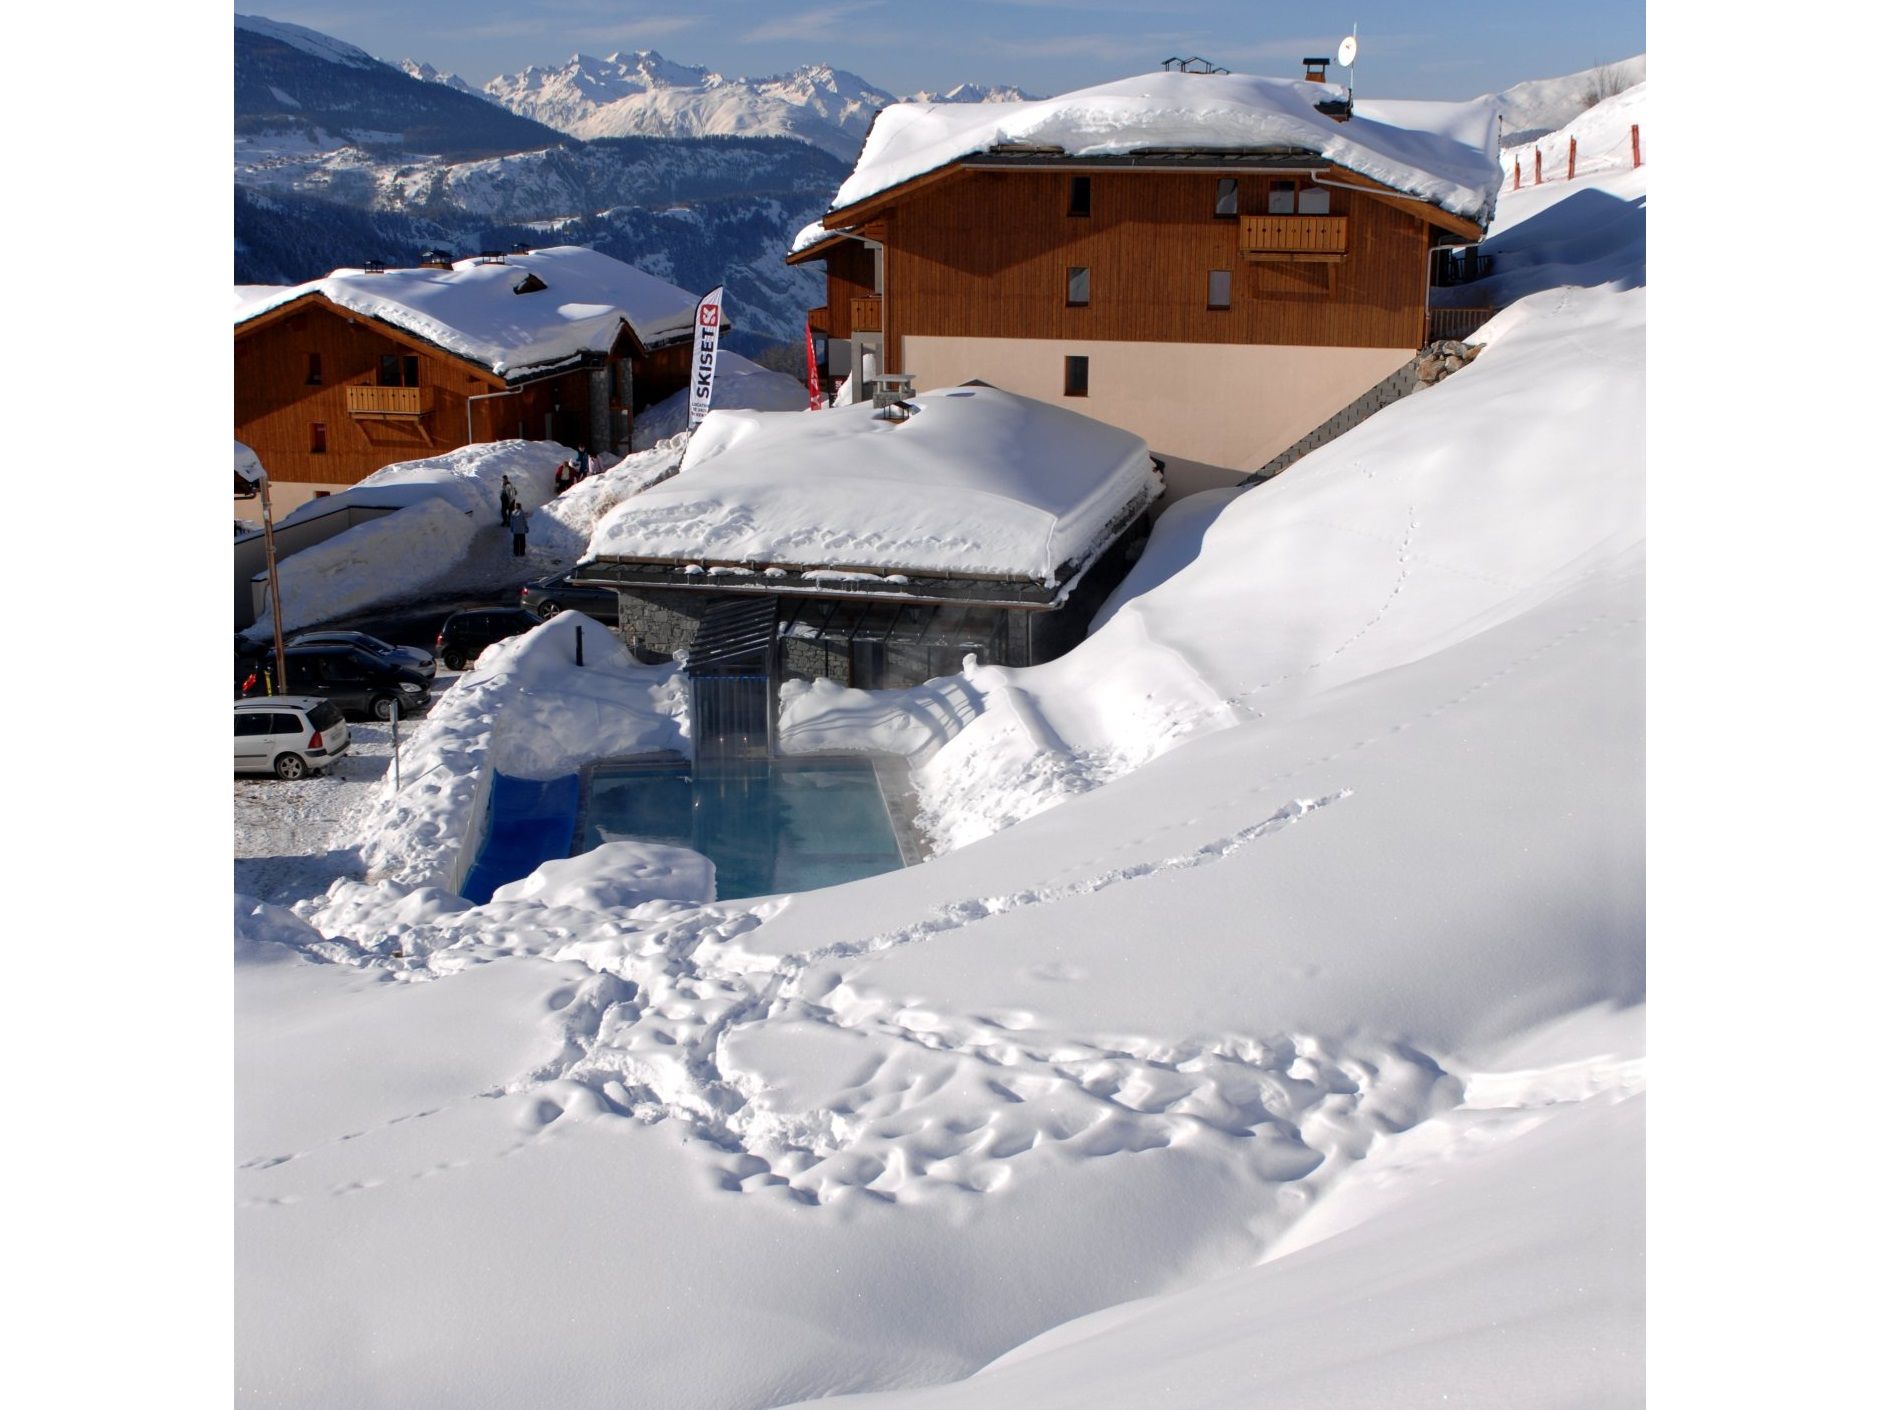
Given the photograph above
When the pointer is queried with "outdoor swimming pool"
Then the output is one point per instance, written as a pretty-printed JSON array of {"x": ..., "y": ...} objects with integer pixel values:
[{"x": 768, "y": 825}]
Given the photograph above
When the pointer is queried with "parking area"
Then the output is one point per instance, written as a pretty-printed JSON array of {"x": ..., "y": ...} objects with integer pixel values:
[{"x": 283, "y": 830}]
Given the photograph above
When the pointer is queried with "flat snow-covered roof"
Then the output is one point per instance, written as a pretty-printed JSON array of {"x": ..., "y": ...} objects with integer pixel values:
[
  {"x": 976, "y": 482},
  {"x": 471, "y": 309},
  {"x": 1444, "y": 153}
]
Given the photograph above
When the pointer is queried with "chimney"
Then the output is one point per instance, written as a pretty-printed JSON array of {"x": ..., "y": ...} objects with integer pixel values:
[{"x": 1315, "y": 69}]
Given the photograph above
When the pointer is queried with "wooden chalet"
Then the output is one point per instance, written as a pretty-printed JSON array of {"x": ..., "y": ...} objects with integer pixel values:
[
  {"x": 343, "y": 376},
  {"x": 1197, "y": 270}
]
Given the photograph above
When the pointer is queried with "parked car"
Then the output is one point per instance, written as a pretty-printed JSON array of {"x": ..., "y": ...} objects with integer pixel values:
[
  {"x": 464, "y": 634},
  {"x": 547, "y": 596},
  {"x": 288, "y": 736},
  {"x": 354, "y": 679},
  {"x": 416, "y": 657}
]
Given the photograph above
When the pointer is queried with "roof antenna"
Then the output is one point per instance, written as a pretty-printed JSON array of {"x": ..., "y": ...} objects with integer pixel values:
[
  {"x": 1339, "y": 109},
  {"x": 1348, "y": 58}
]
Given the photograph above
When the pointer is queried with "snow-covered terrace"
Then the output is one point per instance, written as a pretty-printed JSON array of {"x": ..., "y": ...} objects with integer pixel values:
[
  {"x": 976, "y": 484},
  {"x": 1443, "y": 153},
  {"x": 472, "y": 309}
]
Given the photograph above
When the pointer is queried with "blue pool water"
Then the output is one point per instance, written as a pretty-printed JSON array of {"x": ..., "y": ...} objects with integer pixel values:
[{"x": 768, "y": 825}]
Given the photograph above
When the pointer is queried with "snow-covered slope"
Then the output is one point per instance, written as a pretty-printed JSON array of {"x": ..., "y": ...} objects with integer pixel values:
[
  {"x": 1295, "y": 1065},
  {"x": 1544, "y": 105}
]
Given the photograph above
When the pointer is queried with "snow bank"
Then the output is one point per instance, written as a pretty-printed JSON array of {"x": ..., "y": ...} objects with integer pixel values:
[
  {"x": 739, "y": 385},
  {"x": 473, "y": 310},
  {"x": 448, "y": 520},
  {"x": 524, "y": 709},
  {"x": 1445, "y": 153},
  {"x": 821, "y": 717},
  {"x": 616, "y": 876},
  {"x": 976, "y": 481}
]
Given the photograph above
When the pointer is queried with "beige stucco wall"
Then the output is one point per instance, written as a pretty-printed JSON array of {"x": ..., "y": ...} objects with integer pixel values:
[
  {"x": 1220, "y": 404},
  {"x": 284, "y": 497}
]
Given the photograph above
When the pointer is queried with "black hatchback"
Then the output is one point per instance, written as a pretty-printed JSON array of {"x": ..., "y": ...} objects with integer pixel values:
[
  {"x": 465, "y": 634},
  {"x": 358, "y": 681}
]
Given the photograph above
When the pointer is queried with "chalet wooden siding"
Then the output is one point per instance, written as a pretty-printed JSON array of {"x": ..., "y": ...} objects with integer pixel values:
[
  {"x": 986, "y": 256},
  {"x": 851, "y": 269},
  {"x": 368, "y": 426}
]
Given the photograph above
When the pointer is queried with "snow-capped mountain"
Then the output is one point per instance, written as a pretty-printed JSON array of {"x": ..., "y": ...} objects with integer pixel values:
[
  {"x": 296, "y": 88},
  {"x": 974, "y": 93},
  {"x": 424, "y": 73},
  {"x": 646, "y": 94}
]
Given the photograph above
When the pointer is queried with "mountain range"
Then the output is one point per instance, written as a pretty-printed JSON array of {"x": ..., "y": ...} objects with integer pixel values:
[{"x": 643, "y": 93}]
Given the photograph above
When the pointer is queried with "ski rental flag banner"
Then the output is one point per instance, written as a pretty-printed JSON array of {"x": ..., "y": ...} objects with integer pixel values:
[
  {"x": 815, "y": 382},
  {"x": 705, "y": 326}
]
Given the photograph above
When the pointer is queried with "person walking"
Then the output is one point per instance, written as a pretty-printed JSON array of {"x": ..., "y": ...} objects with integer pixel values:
[
  {"x": 519, "y": 530},
  {"x": 581, "y": 464},
  {"x": 510, "y": 500}
]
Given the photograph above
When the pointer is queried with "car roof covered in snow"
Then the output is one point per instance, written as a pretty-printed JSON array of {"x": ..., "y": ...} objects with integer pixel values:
[
  {"x": 473, "y": 308},
  {"x": 976, "y": 482},
  {"x": 1443, "y": 153}
]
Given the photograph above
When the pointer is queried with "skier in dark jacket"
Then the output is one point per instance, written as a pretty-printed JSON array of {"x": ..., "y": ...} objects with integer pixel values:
[
  {"x": 511, "y": 500},
  {"x": 519, "y": 530}
]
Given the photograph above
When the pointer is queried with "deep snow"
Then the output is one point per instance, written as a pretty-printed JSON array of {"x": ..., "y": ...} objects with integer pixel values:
[{"x": 1299, "y": 1060}]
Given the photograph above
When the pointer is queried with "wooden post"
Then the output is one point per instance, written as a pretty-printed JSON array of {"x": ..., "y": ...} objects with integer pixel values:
[
  {"x": 1537, "y": 166},
  {"x": 279, "y": 685},
  {"x": 1573, "y": 156},
  {"x": 1517, "y": 173},
  {"x": 1635, "y": 156}
]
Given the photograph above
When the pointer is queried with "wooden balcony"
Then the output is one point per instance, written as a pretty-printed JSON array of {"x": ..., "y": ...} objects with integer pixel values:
[
  {"x": 388, "y": 402},
  {"x": 1309, "y": 239},
  {"x": 819, "y": 319},
  {"x": 865, "y": 315}
]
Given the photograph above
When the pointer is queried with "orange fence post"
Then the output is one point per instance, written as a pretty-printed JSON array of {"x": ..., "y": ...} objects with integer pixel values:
[
  {"x": 1517, "y": 173},
  {"x": 1537, "y": 166},
  {"x": 1635, "y": 156},
  {"x": 1573, "y": 156}
]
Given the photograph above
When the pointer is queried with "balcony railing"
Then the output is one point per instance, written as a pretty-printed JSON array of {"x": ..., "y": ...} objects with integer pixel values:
[
  {"x": 1293, "y": 237},
  {"x": 865, "y": 315},
  {"x": 388, "y": 401}
]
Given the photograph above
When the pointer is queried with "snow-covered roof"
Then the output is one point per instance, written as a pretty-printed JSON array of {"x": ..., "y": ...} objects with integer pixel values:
[
  {"x": 471, "y": 309},
  {"x": 1444, "y": 153},
  {"x": 976, "y": 482}
]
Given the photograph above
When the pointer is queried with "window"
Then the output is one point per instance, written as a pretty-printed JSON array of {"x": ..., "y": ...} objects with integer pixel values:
[
  {"x": 319, "y": 438},
  {"x": 396, "y": 371},
  {"x": 253, "y": 724},
  {"x": 1080, "y": 196},
  {"x": 1281, "y": 198},
  {"x": 1220, "y": 288},
  {"x": 286, "y": 724},
  {"x": 1076, "y": 376},
  {"x": 1077, "y": 286},
  {"x": 1227, "y": 197},
  {"x": 313, "y": 370},
  {"x": 1315, "y": 200}
]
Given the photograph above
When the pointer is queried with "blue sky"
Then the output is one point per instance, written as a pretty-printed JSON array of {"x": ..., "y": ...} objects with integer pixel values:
[{"x": 1453, "y": 50}]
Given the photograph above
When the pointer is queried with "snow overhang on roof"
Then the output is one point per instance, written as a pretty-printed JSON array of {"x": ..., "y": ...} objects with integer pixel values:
[
  {"x": 472, "y": 310},
  {"x": 1444, "y": 153},
  {"x": 978, "y": 494}
]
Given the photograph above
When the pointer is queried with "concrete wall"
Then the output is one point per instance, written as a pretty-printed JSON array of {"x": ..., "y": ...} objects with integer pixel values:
[
  {"x": 1222, "y": 405},
  {"x": 251, "y": 552}
]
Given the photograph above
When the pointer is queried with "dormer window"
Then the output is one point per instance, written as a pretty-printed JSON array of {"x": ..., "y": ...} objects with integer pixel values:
[{"x": 530, "y": 284}]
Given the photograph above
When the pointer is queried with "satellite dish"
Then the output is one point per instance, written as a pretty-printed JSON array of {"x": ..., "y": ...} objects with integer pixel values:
[{"x": 1347, "y": 49}]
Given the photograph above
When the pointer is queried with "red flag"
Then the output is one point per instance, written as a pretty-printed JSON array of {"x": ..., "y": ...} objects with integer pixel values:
[{"x": 815, "y": 382}]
